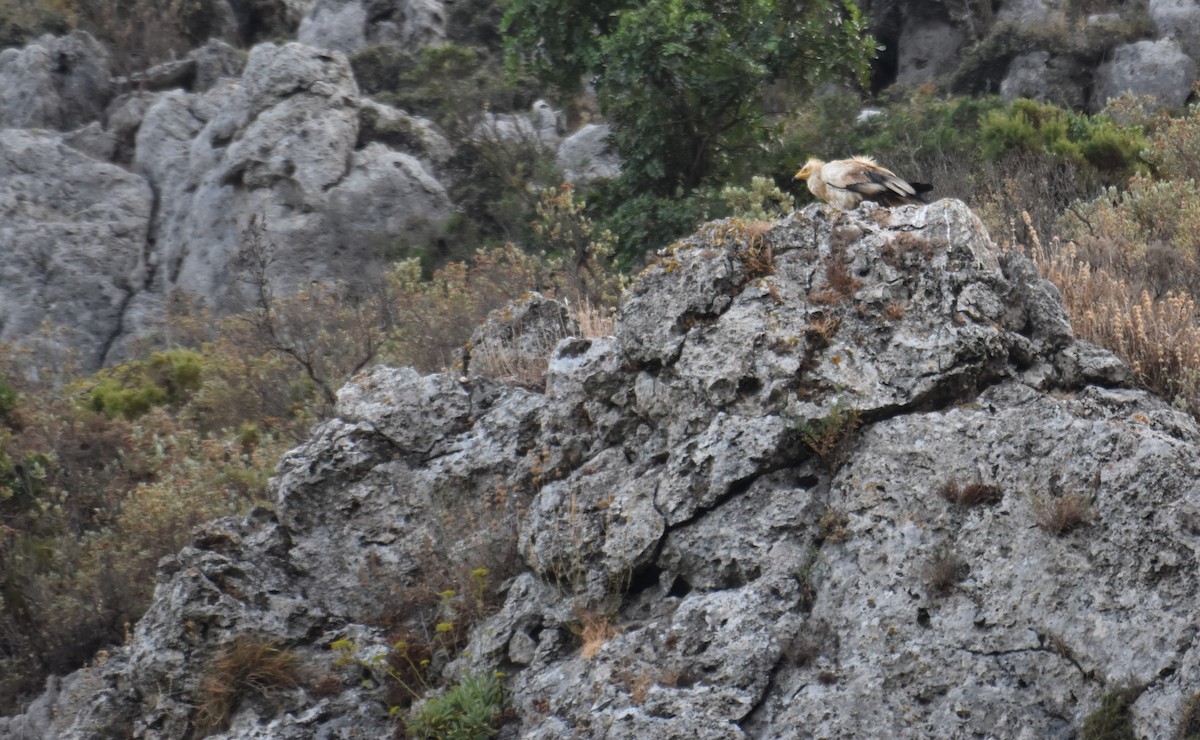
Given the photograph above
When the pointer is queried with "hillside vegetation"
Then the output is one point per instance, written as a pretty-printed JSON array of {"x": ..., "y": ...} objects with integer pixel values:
[{"x": 103, "y": 474}]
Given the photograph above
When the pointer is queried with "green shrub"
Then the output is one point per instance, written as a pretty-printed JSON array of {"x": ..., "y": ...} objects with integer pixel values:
[
  {"x": 763, "y": 201},
  {"x": 831, "y": 436},
  {"x": 468, "y": 711},
  {"x": 1112, "y": 720},
  {"x": 1092, "y": 141},
  {"x": 132, "y": 389},
  {"x": 8, "y": 399},
  {"x": 643, "y": 224}
]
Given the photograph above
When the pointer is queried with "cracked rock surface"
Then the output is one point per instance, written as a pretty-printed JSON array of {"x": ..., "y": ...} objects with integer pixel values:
[{"x": 762, "y": 484}]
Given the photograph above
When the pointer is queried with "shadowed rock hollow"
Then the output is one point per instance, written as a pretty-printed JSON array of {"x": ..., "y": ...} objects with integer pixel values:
[{"x": 758, "y": 483}]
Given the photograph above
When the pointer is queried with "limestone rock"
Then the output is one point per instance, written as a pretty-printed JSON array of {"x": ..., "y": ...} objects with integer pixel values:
[
  {"x": 347, "y": 25},
  {"x": 57, "y": 83},
  {"x": 1158, "y": 69},
  {"x": 278, "y": 149},
  {"x": 542, "y": 125},
  {"x": 1178, "y": 20},
  {"x": 1049, "y": 79},
  {"x": 585, "y": 155},
  {"x": 73, "y": 244},
  {"x": 928, "y": 46},
  {"x": 200, "y": 70},
  {"x": 269, "y": 160},
  {"x": 741, "y": 516}
]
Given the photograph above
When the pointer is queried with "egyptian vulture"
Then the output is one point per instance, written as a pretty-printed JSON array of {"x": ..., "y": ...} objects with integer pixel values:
[{"x": 845, "y": 183}]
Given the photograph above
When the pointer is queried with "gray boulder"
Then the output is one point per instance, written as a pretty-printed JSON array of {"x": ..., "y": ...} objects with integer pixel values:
[
  {"x": 1048, "y": 79},
  {"x": 399, "y": 130},
  {"x": 928, "y": 47},
  {"x": 271, "y": 162},
  {"x": 73, "y": 237},
  {"x": 56, "y": 82},
  {"x": 200, "y": 70},
  {"x": 541, "y": 126},
  {"x": 585, "y": 155},
  {"x": 742, "y": 516},
  {"x": 1033, "y": 13},
  {"x": 1178, "y": 20},
  {"x": 1158, "y": 69},
  {"x": 347, "y": 25}
]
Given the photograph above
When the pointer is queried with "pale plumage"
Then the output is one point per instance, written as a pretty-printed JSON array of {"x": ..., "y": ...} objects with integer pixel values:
[{"x": 847, "y": 182}]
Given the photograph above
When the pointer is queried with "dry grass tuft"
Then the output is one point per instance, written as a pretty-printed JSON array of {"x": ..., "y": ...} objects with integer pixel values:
[
  {"x": 1059, "y": 516},
  {"x": 833, "y": 524},
  {"x": 594, "y": 629},
  {"x": 972, "y": 494},
  {"x": 250, "y": 664},
  {"x": 1189, "y": 720},
  {"x": 1157, "y": 336},
  {"x": 594, "y": 321},
  {"x": 943, "y": 572}
]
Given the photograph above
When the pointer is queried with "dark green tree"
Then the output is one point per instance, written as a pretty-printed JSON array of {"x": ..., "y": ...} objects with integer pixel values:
[{"x": 682, "y": 82}]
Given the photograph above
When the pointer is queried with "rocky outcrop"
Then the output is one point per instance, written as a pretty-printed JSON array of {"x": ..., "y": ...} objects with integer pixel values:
[
  {"x": 1156, "y": 68},
  {"x": 278, "y": 150},
  {"x": 271, "y": 160},
  {"x": 348, "y": 25},
  {"x": 1048, "y": 50},
  {"x": 56, "y": 82},
  {"x": 1178, "y": 20},
  {"x": 73, "y": 236},
  {"x": 755, "y": 487},
  {"x": 541, "y": 126},
  {"x": 1046, "y": 78},
  {"x": 585, "y": 155}
]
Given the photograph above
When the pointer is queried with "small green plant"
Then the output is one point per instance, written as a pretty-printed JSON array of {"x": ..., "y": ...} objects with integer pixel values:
[
  {"x": 1112, "y": 720},
  {"x": 468, "y": 711},
  {"x": 830, "y": 436},
  {"x": 763, "y": 201}
]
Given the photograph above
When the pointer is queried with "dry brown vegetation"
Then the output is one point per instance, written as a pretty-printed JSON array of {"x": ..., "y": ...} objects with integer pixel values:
[
  {"x": 594, "y": 628},
  {"x": 943, "y": 571},
  {"x": 972, "y": 494},
  {"x": 1062, "y": 514},
  {"x": 1158, "y": 337},
  {"x": 250, "y": 665}
]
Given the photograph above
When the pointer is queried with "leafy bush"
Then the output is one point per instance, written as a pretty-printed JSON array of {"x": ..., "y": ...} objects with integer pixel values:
[
  {"x": 8, "y": 399},
  {"x": 643, "y": 224},
  {"x": 132, "y": 389},
  {"x": 682, "y": 83},
  {"x": 1085, "y": 141},
  {"x": 763, "y": 201},
  {"x": 466, "y": 712}
]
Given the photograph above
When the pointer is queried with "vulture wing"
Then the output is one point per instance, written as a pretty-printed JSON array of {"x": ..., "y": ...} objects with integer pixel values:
[{"x": 869, "y": 181}]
